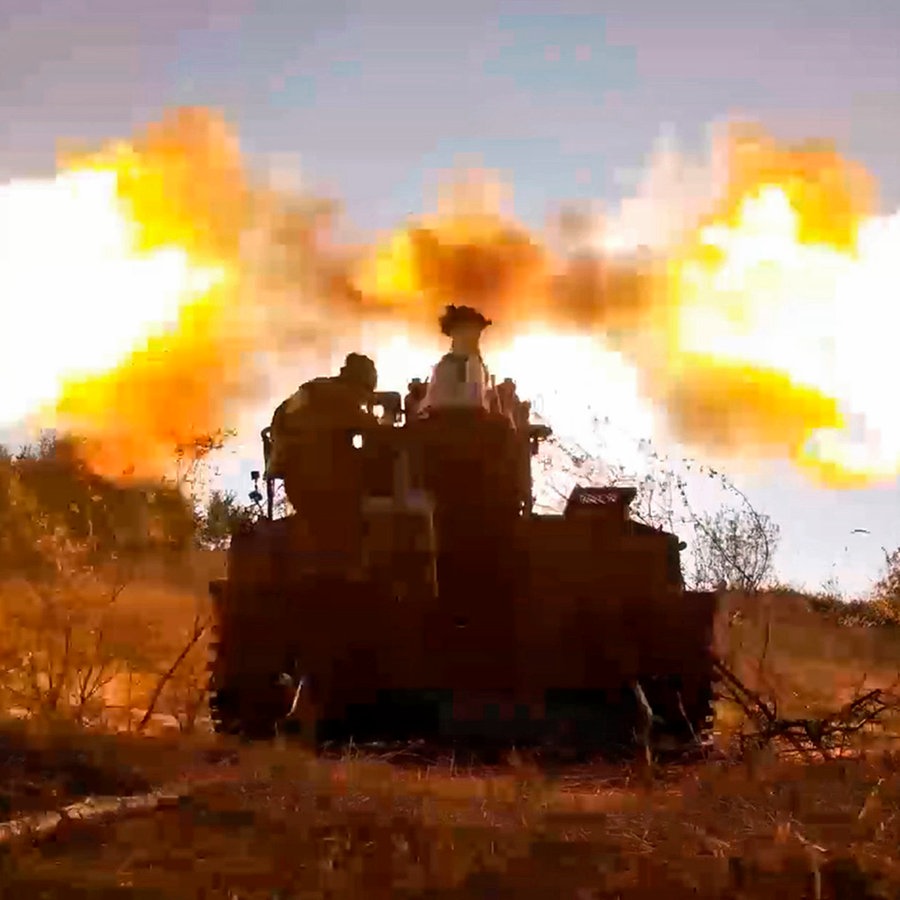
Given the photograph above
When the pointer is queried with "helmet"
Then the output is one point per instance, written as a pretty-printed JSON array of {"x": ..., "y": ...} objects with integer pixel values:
[{"x": 360, "y": 369}]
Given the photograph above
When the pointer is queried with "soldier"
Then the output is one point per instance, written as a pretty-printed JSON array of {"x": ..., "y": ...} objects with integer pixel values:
[
  {"x": 413, "y": 400},
  {"x": 345, "y": 393},
  {"x": 461, "y": 379},
  {"x": 330, "y": 402},
  {"x": 313, "y": 452},
  {"x": 510, "y": 405}
]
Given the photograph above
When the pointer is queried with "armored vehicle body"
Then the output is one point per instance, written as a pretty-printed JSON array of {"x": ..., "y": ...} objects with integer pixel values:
[{"x": 413, "y": 592}]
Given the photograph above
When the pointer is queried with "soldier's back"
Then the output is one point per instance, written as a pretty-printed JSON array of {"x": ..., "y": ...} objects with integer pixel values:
[{"x": 325, "y": 402}]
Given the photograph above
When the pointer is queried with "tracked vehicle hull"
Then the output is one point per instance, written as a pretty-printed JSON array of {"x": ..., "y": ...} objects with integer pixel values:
[
  {"x": 414, "y": 594},
  {"x": 549, "y": 644}
]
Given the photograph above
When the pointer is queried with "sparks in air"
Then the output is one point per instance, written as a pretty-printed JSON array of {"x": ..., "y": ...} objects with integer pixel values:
[{"x": 76, "y": 297}]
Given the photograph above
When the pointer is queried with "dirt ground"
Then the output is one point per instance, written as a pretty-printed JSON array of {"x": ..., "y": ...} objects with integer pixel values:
[
  {"x": 48, "y": 767},
  {"x": 272, "y": 822},
  {"x": 278, "y": 823}
]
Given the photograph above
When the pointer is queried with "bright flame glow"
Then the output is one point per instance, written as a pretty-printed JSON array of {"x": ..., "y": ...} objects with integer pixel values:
[
  {"x": 131, "y": 309},
  {"x": 76, "y": 298},
  {"x": 826, "y": 318},
  {"x": 551, "y": 370},
  {"x": 766, "y": 331}
]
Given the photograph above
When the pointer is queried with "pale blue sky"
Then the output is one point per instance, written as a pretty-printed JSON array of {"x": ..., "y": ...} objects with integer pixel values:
[{"x": 375, "y": 96}]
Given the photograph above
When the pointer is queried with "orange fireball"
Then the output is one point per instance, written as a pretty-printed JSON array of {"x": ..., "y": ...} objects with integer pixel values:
[{"x": 132, "y": 312}]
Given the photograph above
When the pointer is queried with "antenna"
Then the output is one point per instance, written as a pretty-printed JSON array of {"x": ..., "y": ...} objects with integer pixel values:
[{"x": 255, "y": 495}]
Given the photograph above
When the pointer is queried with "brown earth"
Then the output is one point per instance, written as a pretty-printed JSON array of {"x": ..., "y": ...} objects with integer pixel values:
[
  {"x": 287, "y": 826},
  {"x": 272, "y": 822}
]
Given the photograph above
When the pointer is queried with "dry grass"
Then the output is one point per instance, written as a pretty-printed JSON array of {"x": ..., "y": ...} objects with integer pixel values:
[
  {"x": 807, "y": 662},
  {"x": 279, "y": 823},
  {"x": 45, "y": 765},
  {"x": 290, "y": 826}
]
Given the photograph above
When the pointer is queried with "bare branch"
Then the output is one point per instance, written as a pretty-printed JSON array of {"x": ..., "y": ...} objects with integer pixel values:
[
  {"x": 197, "y": 632},
  {"x": 827, "y": 736}
]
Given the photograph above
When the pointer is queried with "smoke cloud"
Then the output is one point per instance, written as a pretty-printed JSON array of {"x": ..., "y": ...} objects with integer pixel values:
[{"x": 286, "y": 289}]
